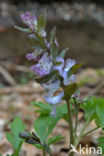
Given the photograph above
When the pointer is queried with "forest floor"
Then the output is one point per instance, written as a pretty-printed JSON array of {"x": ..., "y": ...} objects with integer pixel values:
[{"x": 18, "y": 89}]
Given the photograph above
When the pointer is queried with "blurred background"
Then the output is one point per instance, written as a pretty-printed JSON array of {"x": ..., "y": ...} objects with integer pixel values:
[{"x": 80, "y": 26}]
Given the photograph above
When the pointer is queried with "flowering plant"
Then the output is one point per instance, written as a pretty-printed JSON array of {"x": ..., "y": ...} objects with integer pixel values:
[{"x": 55, "y": 75}]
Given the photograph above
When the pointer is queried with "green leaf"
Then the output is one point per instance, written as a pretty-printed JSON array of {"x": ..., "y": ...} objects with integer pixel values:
[
  {"x": 45, "y": 78},
  {"x": 101, "y": 143},
  {"x": 42, "y": 105},
  {"x": 13, "y": 137},
  {"x": 54, "y": 139},
  {"x": 63, "y": 52},
  {"x": 54, "y": 48},
  {"x": 94, "y": 107},
  {"x": 44, "y": 125},
  {"x": 74, "y": 69},
  {"x": 41, "y": 22},
  {"x": 52, "y": 35},
  {"x": 22, "y": 29},
  {"x": 54, "y": 51},
  {"x": 69, "y": 91},
  {"x": 99, "y": 102},
  {"x": 89, "y": 107},
  {"x": 0, "y": 155},
  {"x": 39, "y": 146},
  {"x": 44, "y": 108},
  {"x": 62, "y": 109}
]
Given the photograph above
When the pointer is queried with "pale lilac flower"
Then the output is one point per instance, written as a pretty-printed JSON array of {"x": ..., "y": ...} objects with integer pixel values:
[
  {"x": 59, "y": 64},
  {"x": 43, "y": 33},
  {"x": 69, "y": 64},
  {"x": 72, "y": 78},
  {"x": 32, "y": 56},
  {"x": 34, "y": 20},
  {"x": 68, "y": 80},
  {"x": 30, "y": 20},
  {"x": 64, "y": 68},
  {"x": 56, "y": 42},
  {"x": 52, "y": 87},
  {"x": 55, "y": 99},
  {"x": 44, "y": 65},
  {"x": 48, "y": 45}
]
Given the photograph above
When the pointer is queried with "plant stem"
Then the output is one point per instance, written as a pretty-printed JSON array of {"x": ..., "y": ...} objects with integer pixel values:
[
  {"x": 44, "y": 152},
  {"x": 16, "y": 153},
  {"x": 94, "y": 129},
  {"x": 81, "y": 133},
  {"x": 76, "y": 122},
  {"x": 70, "y": 126}
]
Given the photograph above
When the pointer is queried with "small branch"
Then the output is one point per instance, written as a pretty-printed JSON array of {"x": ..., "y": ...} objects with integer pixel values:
[
  {"x": 82, "y": 131},
  {"x": 25, "y": 89},
  {"x": 84, "y": 127},
  {"x": 94, "y": 129},
  {"x": 7, "y": 76},
  {"x": 19, "y": 68}
]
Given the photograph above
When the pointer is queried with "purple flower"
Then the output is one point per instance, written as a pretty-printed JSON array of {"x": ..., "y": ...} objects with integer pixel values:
[
  {"x": 44, "y": 65},
  {"x": 48, "y": 45},
  {"x": 32, "y": 56},
  {"x": 69, "y": 64},
  {"x": 52, "y": 87},
  {"x": 56, "y": 42},
  {"x": 30, "y": 20},
  {"x": 72, "y": 78},
  {"x": 63, "y": 69},
  {"x": 43, "y": 33},
  {"x": 55, "y": 99},
  {"x": 59, "y": 64},
  {"x": 68, "y": 80}
]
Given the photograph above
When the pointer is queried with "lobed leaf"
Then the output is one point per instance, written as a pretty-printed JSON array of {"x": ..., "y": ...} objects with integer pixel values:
[
  {"x": 54, "y": 139},
  {"x": 101, "y": 143},
  {"x": 63, "y": 52},
  {"x": 44, "y": 125},
  {"x": 94, "y": 108},
  {"x": 13, "y": 137}
]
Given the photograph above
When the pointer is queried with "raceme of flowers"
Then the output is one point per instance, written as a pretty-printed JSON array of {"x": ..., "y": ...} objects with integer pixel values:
[{"x": 44, "y": 64}]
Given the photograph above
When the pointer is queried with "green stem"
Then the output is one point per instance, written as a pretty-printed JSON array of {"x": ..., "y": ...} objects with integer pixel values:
[
  {"x": 16, "y": 153},
  {"x": 76, "y": 122},
  {"x": 44, "y": 152},
  {"x": 82, "y": 131},
  {"x": 94, "y": 129},
  {"x": 70, "y": 127}
]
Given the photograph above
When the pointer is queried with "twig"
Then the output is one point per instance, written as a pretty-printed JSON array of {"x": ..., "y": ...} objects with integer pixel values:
[
  {"x": 20, "y": 68},
  {"x": 90, "y": 131},
  {"x": 20, "y": 89},
  {"x": 7, "y": 76}
]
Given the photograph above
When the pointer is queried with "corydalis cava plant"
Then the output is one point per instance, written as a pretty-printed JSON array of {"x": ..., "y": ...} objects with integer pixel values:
[
  {"x": 50, "y": 67},
  {"x": 49, "y": 64},
  {"x": 53, "y": 72}
]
